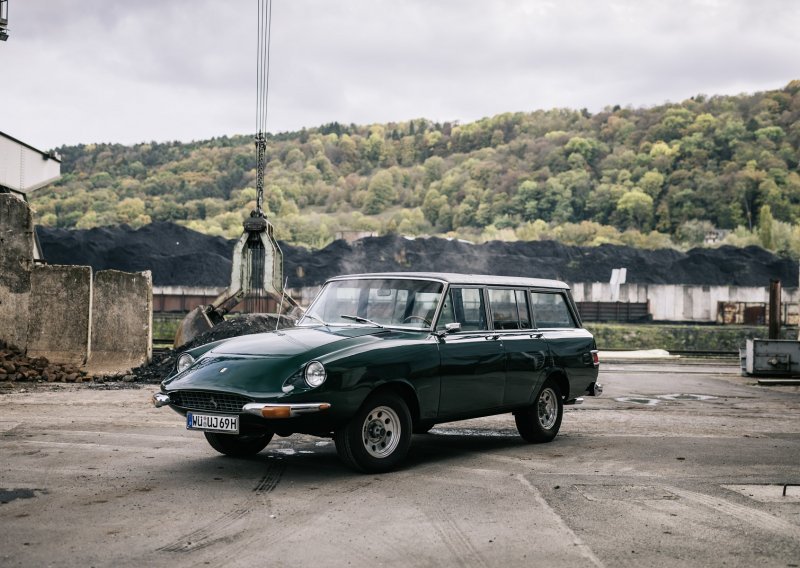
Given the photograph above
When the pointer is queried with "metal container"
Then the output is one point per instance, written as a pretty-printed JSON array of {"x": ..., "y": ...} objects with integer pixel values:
[{"x": 771, "y": 357}]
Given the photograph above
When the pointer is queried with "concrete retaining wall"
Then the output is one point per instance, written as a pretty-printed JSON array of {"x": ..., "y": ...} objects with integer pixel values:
[
  {"x": 59, "y": 317},
  {"x": 122, "y": 321},
  {"x": 51, "y": 311},
  {"x": 16, "y": 261}
]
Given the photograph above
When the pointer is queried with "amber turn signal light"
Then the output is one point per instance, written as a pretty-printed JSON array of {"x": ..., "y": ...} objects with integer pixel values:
[{"x": 276, "y": 412}]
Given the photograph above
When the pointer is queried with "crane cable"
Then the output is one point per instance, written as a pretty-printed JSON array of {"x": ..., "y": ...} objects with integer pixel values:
[
  {"x": 262, "y": 98},
  {"x": 256, "y": 299}
]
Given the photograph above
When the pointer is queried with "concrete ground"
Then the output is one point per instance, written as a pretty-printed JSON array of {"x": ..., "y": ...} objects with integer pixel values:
[{"x": 676, "y": 465}]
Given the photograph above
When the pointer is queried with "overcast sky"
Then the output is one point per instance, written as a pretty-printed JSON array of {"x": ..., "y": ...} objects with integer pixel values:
[{"x": 121, "y": 71}]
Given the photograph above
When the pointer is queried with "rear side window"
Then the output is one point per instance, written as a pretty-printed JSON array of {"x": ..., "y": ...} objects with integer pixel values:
[
  {"x": 464, "y": 306},
  {"x": 509, "y": 309},
  {"x": 550, "y": 310}
]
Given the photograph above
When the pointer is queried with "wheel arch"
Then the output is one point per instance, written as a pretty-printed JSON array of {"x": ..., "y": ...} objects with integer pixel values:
[
  {"x": 561, "y": 380},
  {"x": 404, "y": 391}
]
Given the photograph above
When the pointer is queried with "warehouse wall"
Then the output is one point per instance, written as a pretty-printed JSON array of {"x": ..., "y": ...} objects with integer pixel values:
[
  {"x": 668, "y": 302},
  {"x": 675, "y": 302}
]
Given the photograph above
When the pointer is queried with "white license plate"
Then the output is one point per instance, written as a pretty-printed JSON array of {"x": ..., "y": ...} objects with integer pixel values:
[{"x": 212, "y": 423}]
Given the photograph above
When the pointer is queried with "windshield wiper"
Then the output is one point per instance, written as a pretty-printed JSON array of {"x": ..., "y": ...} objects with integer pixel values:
[
  {"x": 310, "y": 316},
  {"x": 359, "y": 319}
]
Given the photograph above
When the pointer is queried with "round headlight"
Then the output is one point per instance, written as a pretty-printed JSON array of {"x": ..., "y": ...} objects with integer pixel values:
[
  {"x": 315, "y": 374},
  {"x": 184, "y": 362}
]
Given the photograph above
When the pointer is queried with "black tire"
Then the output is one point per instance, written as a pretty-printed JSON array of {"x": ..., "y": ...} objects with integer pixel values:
[
  {"x": 422, "y": 428},
  {"x": 237, "y": 445},
  {"x": 378, "y": 436},
  {"x": 540, "y": 422}
]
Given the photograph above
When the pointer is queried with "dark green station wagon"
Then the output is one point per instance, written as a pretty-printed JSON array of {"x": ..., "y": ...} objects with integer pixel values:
[{"x": 377, "y": 357}]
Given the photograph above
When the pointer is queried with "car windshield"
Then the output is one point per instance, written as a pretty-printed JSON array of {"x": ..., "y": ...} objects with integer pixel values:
[{"x": 394, "y": 302}]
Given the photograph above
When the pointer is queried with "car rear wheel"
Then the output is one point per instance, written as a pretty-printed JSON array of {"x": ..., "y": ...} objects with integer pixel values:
[
  {"x": 541, "y": 421},
  {"x": 238, "y": 445},
  {"x": 378, "y": 436}
]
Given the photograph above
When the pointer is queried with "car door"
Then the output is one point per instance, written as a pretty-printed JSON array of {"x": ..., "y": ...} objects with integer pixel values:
[
  {"x": 472, "y": 359},
  {"x": 525, "y": 349},
  {"x": 570, "y": 345}
]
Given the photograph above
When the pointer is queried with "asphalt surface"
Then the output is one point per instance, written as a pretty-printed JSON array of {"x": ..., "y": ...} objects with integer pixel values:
[{"x": 638, "y": 477}]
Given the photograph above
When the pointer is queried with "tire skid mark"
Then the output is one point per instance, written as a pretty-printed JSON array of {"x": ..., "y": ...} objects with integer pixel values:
[
  {"x": 213, "y": 531},
  {"x": 271, "y": 478},
  {"x": 758, "y": 519},
  {"x": 202, "y": 537},
  {"x": 454, "y": 538},
  {"x": 252, "y": 542}
]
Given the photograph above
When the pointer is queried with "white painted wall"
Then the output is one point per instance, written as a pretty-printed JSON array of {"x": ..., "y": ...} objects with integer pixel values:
[{"x": 24, "y": 168}]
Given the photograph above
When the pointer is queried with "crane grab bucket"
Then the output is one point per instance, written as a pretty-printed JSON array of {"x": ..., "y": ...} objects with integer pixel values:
[{"x": 257, "y": 270}]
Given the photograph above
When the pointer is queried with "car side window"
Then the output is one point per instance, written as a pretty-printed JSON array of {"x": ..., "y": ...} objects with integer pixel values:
[
  {"x": 550, "y": 310},
  {"x": 464, "y": 306},
  {"x": 509, "y": 308}
]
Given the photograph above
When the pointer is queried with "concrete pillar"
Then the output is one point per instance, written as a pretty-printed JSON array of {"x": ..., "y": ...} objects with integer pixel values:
[
  {"x": 59, "y": 320},
  {"x": 122, "y": 321},
  {"x": 16, "y": 262}
]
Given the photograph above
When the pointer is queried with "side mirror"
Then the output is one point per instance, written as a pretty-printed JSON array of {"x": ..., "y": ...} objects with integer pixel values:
[{"x": 448, "y": 329}]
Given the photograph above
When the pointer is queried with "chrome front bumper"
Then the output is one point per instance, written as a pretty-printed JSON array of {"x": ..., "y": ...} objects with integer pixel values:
[
  {"x": 160, "y": 399},
  {"x": 262, "y": 409}
]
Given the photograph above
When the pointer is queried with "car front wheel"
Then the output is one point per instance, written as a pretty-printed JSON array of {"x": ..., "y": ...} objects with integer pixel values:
[
  {"x": 238, "y": 445},
  {"x": 377, "y": 438},
  {"x": 541, "y": 421}
]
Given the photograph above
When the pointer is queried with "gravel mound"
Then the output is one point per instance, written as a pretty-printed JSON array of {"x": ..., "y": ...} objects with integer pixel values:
[{"x": 179, "y": 256}]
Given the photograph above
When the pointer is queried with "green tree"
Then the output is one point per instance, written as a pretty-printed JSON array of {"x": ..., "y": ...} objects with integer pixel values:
[
  {"x": 380, "y": 193},
  {"x": 765, "y": 227},
  {"x": 635, "y": 209}
]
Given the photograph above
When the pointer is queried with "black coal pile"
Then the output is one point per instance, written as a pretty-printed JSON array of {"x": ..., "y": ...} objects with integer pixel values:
[
  {"x": 179, "y": 256},
  {"x": 174, "y": 254},
  {"x": 162, "y": 365}
]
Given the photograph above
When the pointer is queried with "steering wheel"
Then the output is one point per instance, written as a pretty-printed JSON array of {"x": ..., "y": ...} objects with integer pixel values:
[{"x": 418, "y": 318}]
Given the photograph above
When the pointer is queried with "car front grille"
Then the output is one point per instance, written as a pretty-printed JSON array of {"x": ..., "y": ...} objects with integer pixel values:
[{"x": 209, "y": 401}]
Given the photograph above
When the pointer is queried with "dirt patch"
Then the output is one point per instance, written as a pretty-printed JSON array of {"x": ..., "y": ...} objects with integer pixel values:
[{"x": 179, "y": 256}]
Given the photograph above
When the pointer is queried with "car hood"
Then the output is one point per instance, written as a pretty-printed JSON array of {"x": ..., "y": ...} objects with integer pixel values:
[
  {"x": 257, "y": 365},
  {"x": 291, "y": 341}
]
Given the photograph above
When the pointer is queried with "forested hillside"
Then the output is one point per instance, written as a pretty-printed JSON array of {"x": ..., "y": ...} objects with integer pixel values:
[{"x": 650, "y": 177}]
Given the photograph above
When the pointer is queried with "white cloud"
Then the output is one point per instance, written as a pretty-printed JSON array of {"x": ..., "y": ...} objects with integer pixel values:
[{"x": 111, "y": 70}]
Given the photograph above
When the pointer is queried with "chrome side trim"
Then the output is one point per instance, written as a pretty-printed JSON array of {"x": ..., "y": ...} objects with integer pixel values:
[
  {"x": 160, "y": 399},
  {"x": 578, "y": 400},
  {"x": 296, "y": 409}
]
